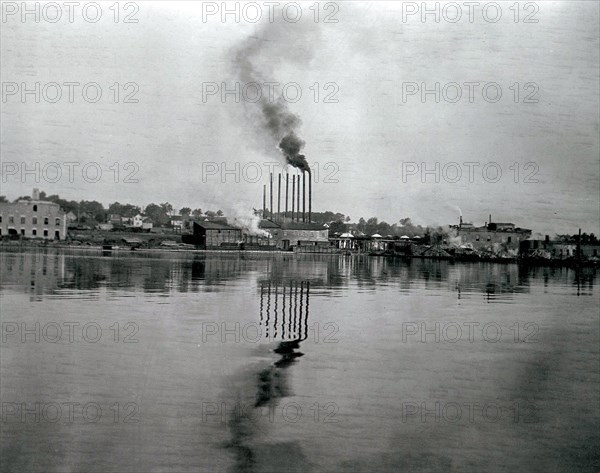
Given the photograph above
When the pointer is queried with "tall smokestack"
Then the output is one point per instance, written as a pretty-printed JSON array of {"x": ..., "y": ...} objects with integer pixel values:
[
  {"x": 264, "y": 214},
  {"x": 298, "y": 201},
  {"x": 309, "y": 196},
  {"x": 271, "y": 196},
  {"x": 279, "y": 195},
  {"x": 303, "y": 196},
  {"x": 293, "y": 195},
  {"x": 287, "y": 185}
]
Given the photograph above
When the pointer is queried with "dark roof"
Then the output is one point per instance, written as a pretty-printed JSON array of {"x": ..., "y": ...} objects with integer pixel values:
[
  {"x": 303, "y": 226},
  {"x": 266, "y": 223},
  {"x": 215, "y": 226}
]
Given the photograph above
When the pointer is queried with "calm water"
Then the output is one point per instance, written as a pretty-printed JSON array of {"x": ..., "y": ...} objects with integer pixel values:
[{"x": 273, "y": 363}]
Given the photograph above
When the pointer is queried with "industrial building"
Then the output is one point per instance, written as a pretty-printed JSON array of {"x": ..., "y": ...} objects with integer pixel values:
[
  {"x": 492, "y": 236},
  {"x": 559, "y": 250},
  {"x": 33, "y": 219},
  {"x": 289, "y": 235},
  {"x": 212, "y": 235}
]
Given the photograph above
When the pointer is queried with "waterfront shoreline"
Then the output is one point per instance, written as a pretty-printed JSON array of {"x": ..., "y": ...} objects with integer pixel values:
[{"x": 123, "y": 251}]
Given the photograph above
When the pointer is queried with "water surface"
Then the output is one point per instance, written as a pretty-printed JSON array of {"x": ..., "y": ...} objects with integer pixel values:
[{"x": 295, "y": 363}]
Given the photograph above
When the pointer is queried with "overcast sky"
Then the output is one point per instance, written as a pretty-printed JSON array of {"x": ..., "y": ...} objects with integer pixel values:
[{"x": 367, "y": 129}]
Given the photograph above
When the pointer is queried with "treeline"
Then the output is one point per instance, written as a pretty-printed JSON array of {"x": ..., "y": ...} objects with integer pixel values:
[
  {"x": 93, "y": 212},
  {"x": 585, "y": 238},
  {"x": 340, "y": 223}
]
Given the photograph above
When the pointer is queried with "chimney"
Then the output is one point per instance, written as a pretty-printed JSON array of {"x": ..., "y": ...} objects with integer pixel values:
[
  {"x": 264, "y": 214},
  {"x": 547, "y": 238},
  {"x": 303, "y": 196},
  {"x": 293, "y": 195},
  {"x": 490, "y": 219},
  {"x": 460, "y": 222},
  {"x": 271, "y": 195},
  {"x": 287, "y": 185},
  {"x": 309, "y": 197},
  {"x": 279, "y": 196},
  {"x": 35, "y": 195}
]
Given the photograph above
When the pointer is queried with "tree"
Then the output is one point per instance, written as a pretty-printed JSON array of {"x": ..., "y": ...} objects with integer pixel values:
[
  {"x": 337, "y": 227},
  {"x": 94, "y": 208},
  {"x": 384, "y": 228},
  {"x": 125, "y": 210},
  {"x": 197, "y": 213},
  {"x": 167, "y": 208},
  {"x": 219, "y": 213},
  {"x": 3, "y": 198},
  {"x": 66, "y": 205},
  {"x": 185, "y": 212},
  {"x": 157, "y": 214}
]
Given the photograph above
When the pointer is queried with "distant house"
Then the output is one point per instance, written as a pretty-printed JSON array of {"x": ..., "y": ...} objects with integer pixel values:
[
  {"x": 177, "y": 222},
  {"x": 115, "y": 219},
  {"x": 139, "y": 221},
  {"x": 212, "y": 235}
]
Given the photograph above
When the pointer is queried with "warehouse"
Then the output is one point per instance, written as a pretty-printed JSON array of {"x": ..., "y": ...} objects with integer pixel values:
[
  {"x": 288, "y": 235},
  {"x": 211, "y": 235}
]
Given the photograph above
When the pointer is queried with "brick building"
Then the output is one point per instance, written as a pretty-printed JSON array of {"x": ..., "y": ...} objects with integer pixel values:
[
  {"x": 33, "y": 219},
  {"x": 493, "y": 236}
]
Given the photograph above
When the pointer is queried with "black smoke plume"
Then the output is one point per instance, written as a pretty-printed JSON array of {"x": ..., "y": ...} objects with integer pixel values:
[{"x": 276, "y": 118}]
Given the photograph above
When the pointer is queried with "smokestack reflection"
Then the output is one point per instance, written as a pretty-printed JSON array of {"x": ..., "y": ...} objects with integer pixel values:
[
  {"x": 270, "y": 383},
  {"x": 292, "y": 320}
]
